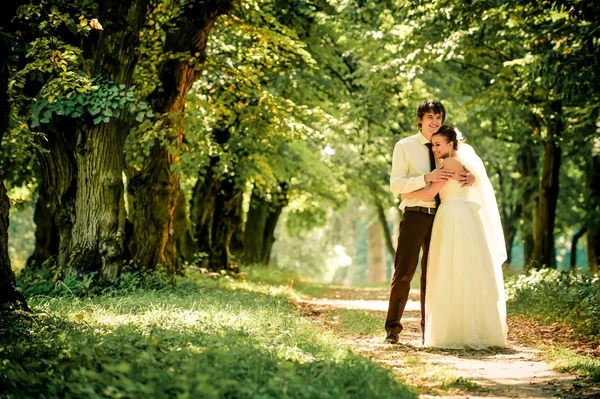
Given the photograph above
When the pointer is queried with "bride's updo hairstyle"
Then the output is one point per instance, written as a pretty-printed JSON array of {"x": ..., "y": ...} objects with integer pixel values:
[{"x": 451, "y": 134}]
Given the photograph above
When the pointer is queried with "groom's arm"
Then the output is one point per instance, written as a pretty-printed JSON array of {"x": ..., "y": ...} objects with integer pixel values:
[
  {"x": 427, "y": 193},
  {"x": 400, "y": 183},
  {"x": 466, "y": 178}
]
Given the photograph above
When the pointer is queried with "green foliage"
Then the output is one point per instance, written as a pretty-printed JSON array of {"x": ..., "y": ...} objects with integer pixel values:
[
  {"x": 49, "y": 280},
  {"x": 580, "y": 364},
  {"x": 200, "y": 338},
  {"x": 554, "y": 295},
  {"x": 99, "y": 99}
]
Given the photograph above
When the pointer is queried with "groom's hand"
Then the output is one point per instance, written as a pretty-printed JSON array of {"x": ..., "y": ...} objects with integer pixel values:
[
  {"x": 438, "y": 174},
  {"x": 466, "y": 178}
]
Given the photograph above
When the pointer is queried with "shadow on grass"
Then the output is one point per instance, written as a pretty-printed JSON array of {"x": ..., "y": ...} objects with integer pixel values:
[{"x": 204, "y": 340}]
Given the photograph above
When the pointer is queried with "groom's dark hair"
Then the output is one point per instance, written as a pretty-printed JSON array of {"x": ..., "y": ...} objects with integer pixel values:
[{"x": 430, "y": 105}]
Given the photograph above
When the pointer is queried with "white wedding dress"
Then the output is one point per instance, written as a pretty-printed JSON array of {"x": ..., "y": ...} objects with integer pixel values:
[{"x": 465, "y": 305}]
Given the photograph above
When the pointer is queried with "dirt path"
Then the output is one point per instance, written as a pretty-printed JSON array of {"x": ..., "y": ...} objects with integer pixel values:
[{"x": 514, "y": 372}]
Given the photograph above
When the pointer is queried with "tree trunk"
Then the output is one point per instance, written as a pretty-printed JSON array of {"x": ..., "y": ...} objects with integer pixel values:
[
  {"x": 510, "y": 231},
  {"x": 530, "y": 185},
  {"x": 186, "y": 245},
  {"x": 576, "y": 237},
  {"x": 55, "y": 209},
  {"x": 156, "y": 196},
  {"x": 510, "y": 212},
  {"x": 256, "y": 220},
  {"x": 10, "y": 297},
  {"x": 593, "y": 251},
  {"x": 272, "y": 219},
  {"x": 98, "y": 233},
  {"x": 386, "y": 231},
  {"x": 543, "y": 251},
  {"x": 97, "y": 241},
  {"x": 593, "y": 221},
  {"x": 157, "y": 178},
  {"x": 46, "y": 232},
  {"x": 224, "y": 224},
  {"x": 202, "y": 208},
  {"x": 259, "y": 232}
]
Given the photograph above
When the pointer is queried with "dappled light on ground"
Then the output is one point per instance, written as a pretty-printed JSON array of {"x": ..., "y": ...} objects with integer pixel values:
[{"x": 515, "y": 371}]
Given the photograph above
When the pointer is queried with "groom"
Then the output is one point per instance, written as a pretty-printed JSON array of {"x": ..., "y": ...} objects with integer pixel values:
[{"x": 413, "y": 167}]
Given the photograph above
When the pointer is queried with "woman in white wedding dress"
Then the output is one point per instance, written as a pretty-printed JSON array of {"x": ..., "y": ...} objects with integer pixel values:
[{"x": 465, "y": 306}]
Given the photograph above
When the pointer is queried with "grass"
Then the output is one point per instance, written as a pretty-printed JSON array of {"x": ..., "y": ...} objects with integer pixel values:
[
  {"x": 201, "y": 338},
  {"x": 357, "y": 322},
  {"x": 566, "y": 360},
  {"x": 549, "y": 296}
]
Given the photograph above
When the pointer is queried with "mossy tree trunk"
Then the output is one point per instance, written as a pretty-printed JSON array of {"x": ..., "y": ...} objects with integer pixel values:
[
  {"x": 510, "y": 212},
  {"x": 159, "y": 227},
  {"x": 98, "y": 235},
  {"x": 574, "y": 241},
  {"x": 262, "y": 218},
  {"x": 224, "y": 224},
  {"x": 593, "y": 220},
  {"x": 543, "y": 250},
  {"x": 10, "y": 298},
  {"x": 55, "y": 208},
  {"x": 530, "y": 186},
  {"x": 202, "y": 207}
]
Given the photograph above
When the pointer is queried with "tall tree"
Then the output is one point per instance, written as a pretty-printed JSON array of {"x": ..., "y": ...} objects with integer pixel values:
[
  {"x": 155, "y": 184},
  {"x": 10, "y": 297}
]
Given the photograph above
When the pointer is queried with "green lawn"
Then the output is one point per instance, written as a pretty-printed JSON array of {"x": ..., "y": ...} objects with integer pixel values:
[{"x": 201, "y": 338}]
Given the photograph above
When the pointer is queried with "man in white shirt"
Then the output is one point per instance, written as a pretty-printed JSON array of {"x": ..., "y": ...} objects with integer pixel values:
[{"x": 413, "y": 167}]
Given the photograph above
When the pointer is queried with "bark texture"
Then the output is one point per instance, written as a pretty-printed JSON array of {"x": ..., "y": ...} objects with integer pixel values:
[
  {"x": 156, "y": 187},
  {"x": 262, "y": 218},
  {"x": 543, "y": 250},
  {"x": 593, "y": 233},
  {"x": 216, "y": 215},
  {"x": 10, "y": 297},
  {"x": 55, "y": 209},
  {"x": 530, "y": 187},
  {"x": 97, "y": 239},
  {"x": 576, "y": 237}
]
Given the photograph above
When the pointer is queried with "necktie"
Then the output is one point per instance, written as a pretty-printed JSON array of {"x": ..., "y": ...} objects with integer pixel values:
[{"x": 432, "y": 166}]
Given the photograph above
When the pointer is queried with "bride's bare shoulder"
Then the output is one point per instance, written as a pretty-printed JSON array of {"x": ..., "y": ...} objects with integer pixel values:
[{"x": 453, "y": 164}]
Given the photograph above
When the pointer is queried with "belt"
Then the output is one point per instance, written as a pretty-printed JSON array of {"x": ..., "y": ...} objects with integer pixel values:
[{"x": 423, "y": 209}]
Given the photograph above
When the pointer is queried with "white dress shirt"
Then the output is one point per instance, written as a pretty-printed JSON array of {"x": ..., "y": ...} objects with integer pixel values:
[{"x": 410, "y": 163}]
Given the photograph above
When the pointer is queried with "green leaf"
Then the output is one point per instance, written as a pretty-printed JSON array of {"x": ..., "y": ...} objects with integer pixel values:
[
  {"x": 139, "y": 117},
  {"x": 95, "y": 111},
  {"x": 97, "y": 120},
  {"x": 108, "y": 112}
]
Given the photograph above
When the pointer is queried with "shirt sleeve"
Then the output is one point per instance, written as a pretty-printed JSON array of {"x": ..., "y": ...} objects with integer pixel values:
[{"x": 400, "y": 183}]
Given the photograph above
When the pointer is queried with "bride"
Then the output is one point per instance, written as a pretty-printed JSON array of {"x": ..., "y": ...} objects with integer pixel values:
[{"x": 465, "y": 303}]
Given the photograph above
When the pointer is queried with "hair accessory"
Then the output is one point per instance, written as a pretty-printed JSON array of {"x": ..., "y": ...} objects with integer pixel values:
[{"x": 459, "y": 135}]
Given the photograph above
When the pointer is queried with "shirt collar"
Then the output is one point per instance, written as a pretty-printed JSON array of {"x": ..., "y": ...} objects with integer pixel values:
[{"x": 422, "y": 139}]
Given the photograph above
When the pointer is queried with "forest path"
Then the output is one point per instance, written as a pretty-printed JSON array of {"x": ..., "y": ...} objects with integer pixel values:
[{"x": 517, "y": 371}]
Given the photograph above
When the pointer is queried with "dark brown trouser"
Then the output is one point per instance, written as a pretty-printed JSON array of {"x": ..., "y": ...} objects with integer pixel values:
[{"x": 415, "y": 233}]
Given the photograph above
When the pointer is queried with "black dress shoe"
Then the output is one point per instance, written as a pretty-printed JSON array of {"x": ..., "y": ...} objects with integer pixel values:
[{"x": 392, "y": 338}]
